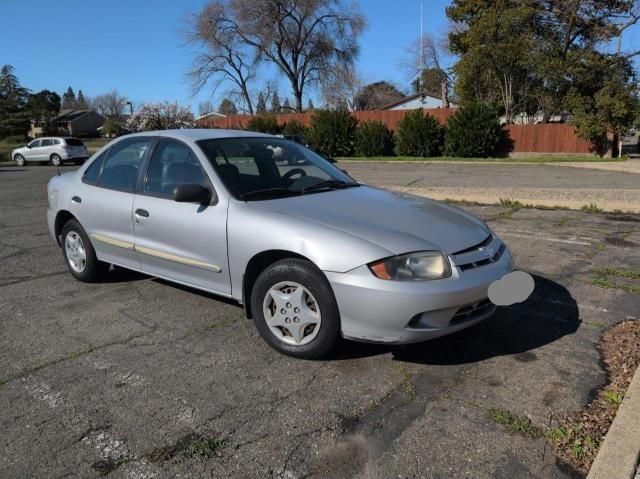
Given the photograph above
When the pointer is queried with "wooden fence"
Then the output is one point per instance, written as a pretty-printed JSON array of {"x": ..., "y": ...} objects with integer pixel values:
[{"x": 552, "y": 138}]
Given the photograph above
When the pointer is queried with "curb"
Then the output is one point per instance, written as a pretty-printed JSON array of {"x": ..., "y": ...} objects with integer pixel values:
[{"x": 619, "y": 454}]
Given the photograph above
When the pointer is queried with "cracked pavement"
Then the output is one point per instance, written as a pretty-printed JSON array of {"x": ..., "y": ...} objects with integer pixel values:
[{"x": 96, "y": 378}]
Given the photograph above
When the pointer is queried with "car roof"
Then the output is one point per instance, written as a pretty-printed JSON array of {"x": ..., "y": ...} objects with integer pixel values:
[{"x": 197, "y": 134}]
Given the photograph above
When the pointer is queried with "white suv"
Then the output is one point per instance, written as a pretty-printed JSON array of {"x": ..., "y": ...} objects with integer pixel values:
[{"x": 52, "y": 150}]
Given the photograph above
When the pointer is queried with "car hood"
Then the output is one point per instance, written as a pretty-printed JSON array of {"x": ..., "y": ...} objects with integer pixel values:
[{"x": 398, "y": 222}]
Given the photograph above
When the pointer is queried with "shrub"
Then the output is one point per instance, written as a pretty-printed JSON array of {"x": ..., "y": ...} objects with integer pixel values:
[
  {"x": 473, "y": 131},
  {"x": 332, "y": 132},
  {"x": 111, "y": 128},
  {"x": 264, "y": 124},
  {"x": 294, "y": 127},
  {"x": 373, "y": 138},
  {"x": 418, "y": 135}
]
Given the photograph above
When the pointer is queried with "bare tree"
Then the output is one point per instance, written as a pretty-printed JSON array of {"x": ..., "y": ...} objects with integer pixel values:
[
  {"x": 111, "y": 105},
  {"x": 340, "y": 87},
  {"x": 305, "y": 39},
  {"x": 205, "y": 106},
  {"x": 223, "y": 57},
  {"x": 423, "y": 63}
]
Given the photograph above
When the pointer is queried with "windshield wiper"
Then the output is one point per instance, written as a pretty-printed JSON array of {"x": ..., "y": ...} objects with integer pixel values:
[
  {"x": 276, "y": 192},
  {"x": 330, "y": 184}
]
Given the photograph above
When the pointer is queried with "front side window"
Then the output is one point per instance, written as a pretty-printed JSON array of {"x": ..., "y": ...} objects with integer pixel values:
[
  {"x": 172, "y": 164},
  {"x": 266, "y": 168},
  {"x": 121, "y": 167},
  {"x": 34, "y": 144}
]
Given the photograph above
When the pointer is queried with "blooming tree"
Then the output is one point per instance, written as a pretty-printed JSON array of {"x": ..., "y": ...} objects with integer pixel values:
[{"x": 160, "y": 116}]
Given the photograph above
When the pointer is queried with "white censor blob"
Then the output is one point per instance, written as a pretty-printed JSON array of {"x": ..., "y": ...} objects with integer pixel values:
[{"x": 512, "y": 288}]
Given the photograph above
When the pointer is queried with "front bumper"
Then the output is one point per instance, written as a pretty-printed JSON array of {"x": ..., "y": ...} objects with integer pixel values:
[{"x": 381, "y": 311}]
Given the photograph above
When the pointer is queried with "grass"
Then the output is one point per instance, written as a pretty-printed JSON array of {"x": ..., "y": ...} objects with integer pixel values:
[
  {"x": 191, "y": 446},
  {"x": 591, "y": 208},
  {"x": 515, "y": 424},
  {"x": 612, "y": 397},
  {"x": 508, "y": 159},
  {"x": 606, "y": 273}
]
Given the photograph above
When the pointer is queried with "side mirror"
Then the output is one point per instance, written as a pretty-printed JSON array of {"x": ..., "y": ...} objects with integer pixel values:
[{"x": 191, "y": 194}]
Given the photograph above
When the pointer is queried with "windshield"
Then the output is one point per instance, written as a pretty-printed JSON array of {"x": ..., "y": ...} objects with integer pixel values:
[{"x": 255, "y": 169}]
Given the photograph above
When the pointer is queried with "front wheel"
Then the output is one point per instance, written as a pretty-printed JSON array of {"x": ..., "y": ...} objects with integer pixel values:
[
  {"x": 19, "y": 159},
  {"x": 295, "y": 310},
  {"x": 55, "y": 160},
  {"x": 79, "y": 254}
]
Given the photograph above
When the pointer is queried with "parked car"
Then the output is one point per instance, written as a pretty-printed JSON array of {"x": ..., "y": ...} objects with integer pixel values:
[
  {"x": 311, "y": 254},
  {"x": 51, "y": 150}
]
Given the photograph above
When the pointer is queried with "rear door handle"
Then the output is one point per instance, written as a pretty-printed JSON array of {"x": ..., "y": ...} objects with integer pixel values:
[{"x": 142, "y": 213}]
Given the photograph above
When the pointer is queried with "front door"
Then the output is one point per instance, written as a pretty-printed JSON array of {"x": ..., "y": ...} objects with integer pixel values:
[
  {"x": 31, "y": 154},
  {"x": 184, "y": 242}
]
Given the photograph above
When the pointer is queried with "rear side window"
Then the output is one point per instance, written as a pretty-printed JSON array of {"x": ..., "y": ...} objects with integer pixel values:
[
  {"x": 57, "y": 141},
  {"x": 121, "y": 167},
  {"x": 46, "y": 142},
  {"x": 73, "y": 142},
  {"x": 91, "y": 174}
]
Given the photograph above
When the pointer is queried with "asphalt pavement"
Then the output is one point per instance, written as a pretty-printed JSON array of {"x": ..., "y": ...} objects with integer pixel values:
[{"x": 136, "y": 377}]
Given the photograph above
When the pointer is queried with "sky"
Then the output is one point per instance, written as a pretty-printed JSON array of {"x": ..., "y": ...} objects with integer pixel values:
[{"x": 138, "y": 47}]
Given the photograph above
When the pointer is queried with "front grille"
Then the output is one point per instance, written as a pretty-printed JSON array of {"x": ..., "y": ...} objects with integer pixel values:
[
  {"x": 486, "y": 252},
  {"x": 472, "y": 311},
  {"x": 483, "y": 262}
]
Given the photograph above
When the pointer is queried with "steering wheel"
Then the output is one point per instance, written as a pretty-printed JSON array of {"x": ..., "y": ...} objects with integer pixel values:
[{"x": 295, "y": 171}]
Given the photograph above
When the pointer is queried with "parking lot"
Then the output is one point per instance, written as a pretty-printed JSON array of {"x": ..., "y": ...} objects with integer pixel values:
[{"x": 138, "y": 378}]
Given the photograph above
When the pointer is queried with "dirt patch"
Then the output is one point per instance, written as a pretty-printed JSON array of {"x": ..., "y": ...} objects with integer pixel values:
[{"x": 578, "y": 436}]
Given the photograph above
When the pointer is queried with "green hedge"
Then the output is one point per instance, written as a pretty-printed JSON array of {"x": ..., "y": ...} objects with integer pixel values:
[
  {"x": 332, "y": 132},
  {"x": 419, "y": 135},
  {"x": 264, "y": 124},
  {"x": 373, "y": 138},
  {"x": 474, "y": 131}
]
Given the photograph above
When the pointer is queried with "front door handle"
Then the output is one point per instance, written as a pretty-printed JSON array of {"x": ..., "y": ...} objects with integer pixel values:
[
  {"x": 142, "y": 213},
  {"x": 76, "y": 199}
]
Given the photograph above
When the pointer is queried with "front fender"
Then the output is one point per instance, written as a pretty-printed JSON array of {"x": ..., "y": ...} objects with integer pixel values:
[{"x": 251, "y": 231}]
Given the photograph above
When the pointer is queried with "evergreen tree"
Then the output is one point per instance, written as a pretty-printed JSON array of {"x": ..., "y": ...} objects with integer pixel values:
[
  {"x": 81, "y": 102},
  {"x": 310, "y": 106},
  {"x": 227, "y": 107},
  {"x": 261, "y": 105},
  {"x": 275, "y": 102},
  {"x": 286, "y": 106},
  {"x": 14, "y": 116},
  {"x": 68, "y": 99}
]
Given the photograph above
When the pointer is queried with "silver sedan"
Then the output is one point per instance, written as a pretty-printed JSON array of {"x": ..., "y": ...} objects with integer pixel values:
[{"x": 311, "y": 254}]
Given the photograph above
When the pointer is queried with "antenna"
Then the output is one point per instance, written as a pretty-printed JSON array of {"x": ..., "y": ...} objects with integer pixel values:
[{"x": 421, "y": 66}]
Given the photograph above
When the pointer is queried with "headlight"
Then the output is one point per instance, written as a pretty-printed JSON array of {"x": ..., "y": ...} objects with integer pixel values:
[{"x": 420, "y": 266}]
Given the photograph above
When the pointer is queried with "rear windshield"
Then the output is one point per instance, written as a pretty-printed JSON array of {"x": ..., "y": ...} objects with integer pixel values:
[{"x": 73, "y": 142}]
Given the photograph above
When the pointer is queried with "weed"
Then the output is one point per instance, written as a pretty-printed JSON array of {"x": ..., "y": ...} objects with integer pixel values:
[
  {"x": 591, "y": 208},
  {"x": 608, "y": 284},
  {"x": 613, "y": 397},
  {"x": 509, "y": 203},
  {"x": 192, "y": 446},
  {"x": 622, "y": 273},
  {"x": 557, "y": 434},
  {"x": 512, "y": 423},
  {"x": 406, "y": 384}
]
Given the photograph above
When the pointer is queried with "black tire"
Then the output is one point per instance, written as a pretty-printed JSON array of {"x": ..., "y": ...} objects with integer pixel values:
[
  {"x": 95, "y": 269},
  {"x": 308, "y": 275},
  {"x": 55, "y": 160},
  {"x": 19, "y": 159}
]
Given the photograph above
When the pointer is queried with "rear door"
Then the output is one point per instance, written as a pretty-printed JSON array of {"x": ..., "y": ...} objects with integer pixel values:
[
  {"x": 103, "y": 204},
  {"x": 184, "y": 242}
]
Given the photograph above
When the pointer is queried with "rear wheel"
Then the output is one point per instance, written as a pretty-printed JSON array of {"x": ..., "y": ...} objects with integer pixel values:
[
  {"x": 55, "y": 160},
  {"x": 294, "y": 309},
  {"x": 19, "y": 159},
  {"x": 79, "y": 254}
]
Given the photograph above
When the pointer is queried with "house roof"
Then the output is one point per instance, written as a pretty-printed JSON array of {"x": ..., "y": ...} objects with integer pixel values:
[
  {"x": 70, "y": 114},
  {"x": 410, "y": 98},
  {"x": 212, "y": 113}
]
